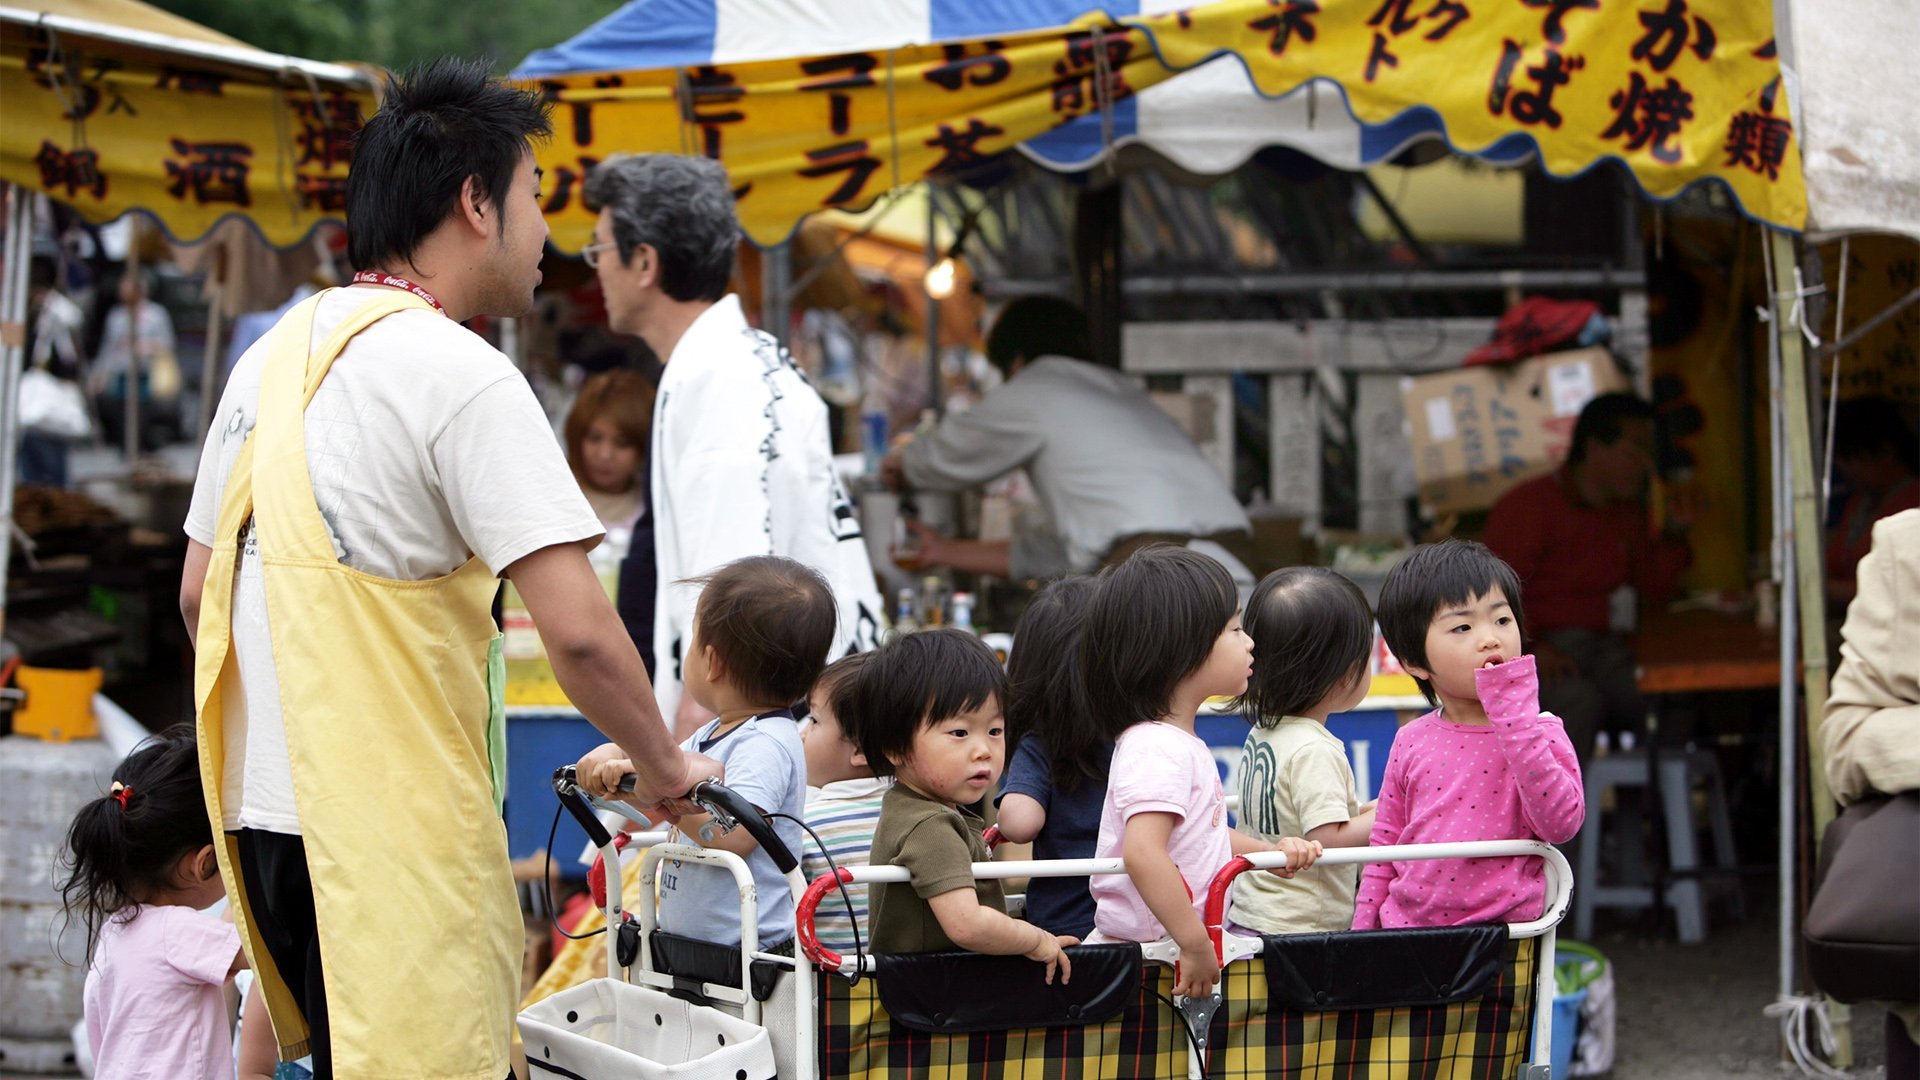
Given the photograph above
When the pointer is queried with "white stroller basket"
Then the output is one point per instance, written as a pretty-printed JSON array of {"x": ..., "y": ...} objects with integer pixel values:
[
  {"x": 629, "y": 1027},
  {"x": 607, "y": 1028}
]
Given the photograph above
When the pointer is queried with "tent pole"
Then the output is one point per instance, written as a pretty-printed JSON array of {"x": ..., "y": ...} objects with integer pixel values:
[
  {"x": 1803, "y": 511},
  {"x": 934, "y": 388},
  {"x": 776, "y": 271},
  {"x": 1806, "y": 519},
  {"x": 1783, "y": 566},
  {"x": 13, "y": 314},
  {"x": 132, "y": 413},
  {"x": 210, "y": 360}
]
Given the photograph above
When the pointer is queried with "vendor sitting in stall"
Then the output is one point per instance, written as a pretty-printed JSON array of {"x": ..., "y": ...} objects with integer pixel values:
[
  {"x": 1111, "y": 469},
  {"x": 1580, "y": 539}
]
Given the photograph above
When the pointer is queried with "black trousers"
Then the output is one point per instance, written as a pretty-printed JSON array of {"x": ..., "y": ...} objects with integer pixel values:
[{"x": 273, "y": 867}]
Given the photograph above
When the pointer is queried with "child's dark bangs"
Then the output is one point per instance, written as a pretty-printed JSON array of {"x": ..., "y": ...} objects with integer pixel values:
[
  {"x": 1459, "y": 582},
  {"x": 949, "y": 700}
]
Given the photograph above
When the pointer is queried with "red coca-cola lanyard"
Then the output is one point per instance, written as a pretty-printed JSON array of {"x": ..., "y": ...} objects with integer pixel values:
[{"x": 375, "y": 277}]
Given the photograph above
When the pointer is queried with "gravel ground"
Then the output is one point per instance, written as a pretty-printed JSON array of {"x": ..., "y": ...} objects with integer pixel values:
[{"x": 1693, "y": 1012}]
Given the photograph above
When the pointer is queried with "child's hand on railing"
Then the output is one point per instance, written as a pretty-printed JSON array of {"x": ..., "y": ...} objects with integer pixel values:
[
  {"x": 1300, "y": 855},
  {"x": 1051, "y": 950},
  {"x": 1198, "y": 970}
]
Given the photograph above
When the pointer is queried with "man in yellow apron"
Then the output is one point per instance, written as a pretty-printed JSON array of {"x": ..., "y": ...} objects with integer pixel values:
[{"x": 371, "y": 469}]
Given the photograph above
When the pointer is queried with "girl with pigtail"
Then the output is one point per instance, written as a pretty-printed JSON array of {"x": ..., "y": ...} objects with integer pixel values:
[{"x": 143, "y": 874}]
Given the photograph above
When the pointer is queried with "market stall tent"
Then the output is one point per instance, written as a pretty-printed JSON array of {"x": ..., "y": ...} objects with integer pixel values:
[
  {"x": 904, "y": 91},
  {"x": 113, "y": 106},
  {"x": 1206, "y": 121}
]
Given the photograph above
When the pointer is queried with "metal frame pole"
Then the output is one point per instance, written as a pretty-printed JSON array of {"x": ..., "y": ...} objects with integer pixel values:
[
  {"x": 210, "y": 359},
  {"x": 1806, "y": 512},
  {"x": 132, "y": 403},
  {"x": 13, "y": 310},
  {"x": 1783, "y": 574},
  {"x": 935, "y": 390},
  {"x": 1803, "y": 611},
  {"x": 776, "y": 276}
]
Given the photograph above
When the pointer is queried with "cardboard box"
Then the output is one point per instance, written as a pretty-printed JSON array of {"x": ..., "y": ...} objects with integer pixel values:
[{"x": 1478, "y": 431}]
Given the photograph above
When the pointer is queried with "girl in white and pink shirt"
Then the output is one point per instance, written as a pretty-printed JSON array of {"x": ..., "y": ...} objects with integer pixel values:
[
  {"x": 143, "y": 875},
  {"x": 1162, "y": 635},
  {"x": 1486, "y": 765}
]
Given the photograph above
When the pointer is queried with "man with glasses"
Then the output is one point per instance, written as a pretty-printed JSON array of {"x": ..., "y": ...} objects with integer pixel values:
[
  {"x": 741, "y": 462},
  {"x": 1580, "y": 540}
]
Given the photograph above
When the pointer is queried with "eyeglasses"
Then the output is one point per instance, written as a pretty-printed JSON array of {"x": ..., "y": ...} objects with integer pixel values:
[{"x": 592, "y": 251}]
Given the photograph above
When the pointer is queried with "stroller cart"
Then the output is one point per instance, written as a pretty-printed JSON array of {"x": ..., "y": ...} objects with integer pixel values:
[
  {"x": 1428, "y": 1004},
  {"x": 660, "y": 1022}
]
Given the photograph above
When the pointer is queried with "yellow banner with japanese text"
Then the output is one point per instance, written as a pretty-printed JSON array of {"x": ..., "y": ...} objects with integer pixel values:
[
  {"x": 1678, "y": 90},
  {"x": 109, "y": 128}
]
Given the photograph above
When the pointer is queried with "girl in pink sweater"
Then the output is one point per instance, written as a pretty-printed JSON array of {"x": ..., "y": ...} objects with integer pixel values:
[{"x": 1486, "y": 765}]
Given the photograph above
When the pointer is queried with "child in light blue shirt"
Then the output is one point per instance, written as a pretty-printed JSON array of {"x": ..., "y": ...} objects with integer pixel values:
[{"x": 761, "y": 634}]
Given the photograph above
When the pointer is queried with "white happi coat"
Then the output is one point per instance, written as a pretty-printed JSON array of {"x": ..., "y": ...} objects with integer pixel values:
[{"x": 742, "y": 464}]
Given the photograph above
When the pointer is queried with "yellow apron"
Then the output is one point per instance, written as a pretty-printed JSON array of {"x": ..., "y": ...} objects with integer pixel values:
[{"x": 389, "y": 690}]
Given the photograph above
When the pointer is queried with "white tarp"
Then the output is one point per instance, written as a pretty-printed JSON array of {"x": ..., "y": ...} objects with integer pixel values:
[{"x": 1857, "y": 107}]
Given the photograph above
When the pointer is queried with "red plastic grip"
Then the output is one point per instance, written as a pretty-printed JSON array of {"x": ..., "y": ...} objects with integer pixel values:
[
  {"x": 1216, "y": 911},
  {"x": 597, "y": 876},
  {"x": 826, "y": 959}
]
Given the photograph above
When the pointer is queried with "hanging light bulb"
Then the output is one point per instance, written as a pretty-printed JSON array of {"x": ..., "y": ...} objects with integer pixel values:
[{"x": 940, "y": 278}]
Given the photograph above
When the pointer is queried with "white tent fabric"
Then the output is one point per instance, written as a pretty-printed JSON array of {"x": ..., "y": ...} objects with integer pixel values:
[
  {"x": 1209, "y": 120},
  {"x": 1857, "y": 109}
]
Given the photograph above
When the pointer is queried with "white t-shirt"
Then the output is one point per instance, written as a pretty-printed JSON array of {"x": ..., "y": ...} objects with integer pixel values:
[
  {"x": 426, "y": 447},
  {"x": 742, "y": 465}
]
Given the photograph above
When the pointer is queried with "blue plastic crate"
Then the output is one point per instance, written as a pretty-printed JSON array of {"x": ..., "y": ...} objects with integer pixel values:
[{"x": 536, "y": 745}]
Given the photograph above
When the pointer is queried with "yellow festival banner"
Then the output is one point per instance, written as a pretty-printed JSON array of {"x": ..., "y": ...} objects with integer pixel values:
[
  {"x": 107, "y": 128},
  {"x": 1678, "y": 90}
]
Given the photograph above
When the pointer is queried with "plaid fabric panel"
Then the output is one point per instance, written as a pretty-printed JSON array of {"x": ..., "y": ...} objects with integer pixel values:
[
  {"x": 857, "y": 1039},
  {"x": 1483, "y": 1039}
]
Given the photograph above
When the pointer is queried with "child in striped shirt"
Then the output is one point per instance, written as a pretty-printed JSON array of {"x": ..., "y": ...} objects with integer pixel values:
[{"x": 843, "y": 804}]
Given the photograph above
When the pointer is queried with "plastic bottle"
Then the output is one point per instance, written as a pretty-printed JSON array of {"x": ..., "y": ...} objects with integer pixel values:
[
  {"x": 933, "y": 601},
  {"x": 963, "y": 611},
  {"x": 903, "y": 620},
  {"x": 873, "y": 435}
]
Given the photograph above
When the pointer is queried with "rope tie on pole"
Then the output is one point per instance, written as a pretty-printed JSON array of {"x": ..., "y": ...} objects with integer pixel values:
[{"x": 1799, "y": 1017}]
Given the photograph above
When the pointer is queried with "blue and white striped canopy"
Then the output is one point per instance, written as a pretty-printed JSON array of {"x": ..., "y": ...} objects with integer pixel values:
[{"x": 1208, "y": 120}]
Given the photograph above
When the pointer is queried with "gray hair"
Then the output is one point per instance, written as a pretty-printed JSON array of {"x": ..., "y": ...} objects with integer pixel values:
[{"x": 682, "y": 207}]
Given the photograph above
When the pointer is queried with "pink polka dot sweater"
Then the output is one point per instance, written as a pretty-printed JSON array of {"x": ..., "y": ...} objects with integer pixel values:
[{"x": 1515, "y": 778}]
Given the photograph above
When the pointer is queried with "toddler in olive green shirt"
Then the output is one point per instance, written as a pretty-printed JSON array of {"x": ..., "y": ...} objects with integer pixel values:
[{"x": 929, "y": 706}]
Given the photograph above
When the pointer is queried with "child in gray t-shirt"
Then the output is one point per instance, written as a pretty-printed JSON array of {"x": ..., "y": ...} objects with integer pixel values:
[{"x": 761, "y": 634}]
